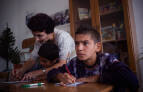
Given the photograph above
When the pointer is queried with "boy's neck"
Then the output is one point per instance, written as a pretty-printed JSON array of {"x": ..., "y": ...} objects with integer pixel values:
[
  {"x": 51, "y": 36},
  {"x": 91, "y": 61}
]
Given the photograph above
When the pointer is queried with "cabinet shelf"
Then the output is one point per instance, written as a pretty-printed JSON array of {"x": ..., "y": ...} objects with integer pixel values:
[
  {"x": 110, "y": 12},
  {"x": 83, "y": 21},
  {"x": 106, "y": 41}
]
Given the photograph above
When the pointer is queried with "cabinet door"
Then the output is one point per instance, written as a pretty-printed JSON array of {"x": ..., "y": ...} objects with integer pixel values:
[
  {"x": 80, "y": 14},
  {"x": 113, "y": 32},
  {"x": 112, "y": 20}
]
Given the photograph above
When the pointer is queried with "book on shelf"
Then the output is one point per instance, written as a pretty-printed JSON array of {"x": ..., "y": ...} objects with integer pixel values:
[
  {"x": 110, "y": 8},
  {"x": 108, "y": 33},
  {"x": 83, "y": 13},
  {"x": 121, "y": 34}
]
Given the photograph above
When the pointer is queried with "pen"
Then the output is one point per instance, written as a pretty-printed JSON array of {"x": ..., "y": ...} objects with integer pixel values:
[
  {"x": 67, "y": 69},
  {"x": 34, "y": 84}
]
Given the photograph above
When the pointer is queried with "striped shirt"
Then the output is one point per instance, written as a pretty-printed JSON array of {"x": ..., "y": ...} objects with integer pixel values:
[{"x": 110, "y": 70}]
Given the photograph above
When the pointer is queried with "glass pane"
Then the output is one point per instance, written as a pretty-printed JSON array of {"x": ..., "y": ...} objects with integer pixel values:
[
  {"x": 81, "y": 11},
  {"x": 112, "y": 29}
]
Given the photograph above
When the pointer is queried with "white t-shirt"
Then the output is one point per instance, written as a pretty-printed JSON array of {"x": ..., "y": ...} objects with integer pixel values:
[{"x": 65, "y": 43}]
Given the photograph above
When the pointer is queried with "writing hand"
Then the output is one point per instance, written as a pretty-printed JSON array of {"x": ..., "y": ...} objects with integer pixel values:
[
  {"x": 65, "y": 78},
  {"x": 88, "y": 79},
  {"x": 31, "y": 75},
  {"x": 17, "y": 74}
]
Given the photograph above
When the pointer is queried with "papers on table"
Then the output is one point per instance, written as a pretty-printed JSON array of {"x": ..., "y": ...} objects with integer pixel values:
[
  {"x": 13, "y": 82},
  {"x": 71, "y": 84}
]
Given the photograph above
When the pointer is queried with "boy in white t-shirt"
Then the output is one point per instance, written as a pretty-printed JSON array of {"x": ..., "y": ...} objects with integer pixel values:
[{"x": 43, "y": 29}]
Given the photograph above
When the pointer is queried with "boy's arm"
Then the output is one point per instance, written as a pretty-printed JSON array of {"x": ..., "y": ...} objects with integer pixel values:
[
  {"x": 89, "y": 79},
  {"x": 52, "y": 75},
  {"x": 122, "y": 75},
  {"x": 57, "y": 74},
  {"x": 56, "y": 66},
  {"x": 40, "y": 72},
  {"x": 27, "y": 65},
  {"x": 18, "y": 73},
  {"x": 65, "y": 78}
]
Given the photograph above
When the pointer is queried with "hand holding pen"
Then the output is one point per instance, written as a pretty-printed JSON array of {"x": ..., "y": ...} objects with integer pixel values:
[{"x": 66, "y": 78}]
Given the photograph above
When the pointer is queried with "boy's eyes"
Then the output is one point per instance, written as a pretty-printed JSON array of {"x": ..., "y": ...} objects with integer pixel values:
[
  {"x": 76, "y": 43},
  {"x": 43, "y": 61},
  {"x": 84, "y": 43},
  {"x": 38, "y": 36}
]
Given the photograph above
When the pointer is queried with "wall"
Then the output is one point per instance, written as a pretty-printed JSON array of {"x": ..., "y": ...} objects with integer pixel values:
[
  {"x": 13, "y": 12},
  {"x": 138, "y": 15}
]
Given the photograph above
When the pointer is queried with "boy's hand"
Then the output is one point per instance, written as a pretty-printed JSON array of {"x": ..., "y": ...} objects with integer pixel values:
[
  {"x": 65, "y": 78},
  {"x": 17, "y": 74},
  {"x": 31, "y": 75},
  {"x": 88, "y": 79}
]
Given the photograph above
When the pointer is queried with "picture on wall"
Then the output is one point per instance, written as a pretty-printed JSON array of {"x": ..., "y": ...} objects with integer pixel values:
[
  {"x": 61, "y": 17},
  {"x": 28, "y": 16}
]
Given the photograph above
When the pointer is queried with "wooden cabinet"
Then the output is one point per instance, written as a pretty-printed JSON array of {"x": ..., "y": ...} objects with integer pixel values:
[{"x": 110, "y": 18}]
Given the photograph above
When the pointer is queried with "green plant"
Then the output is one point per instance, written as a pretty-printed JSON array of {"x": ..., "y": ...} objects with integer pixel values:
[{"x": 9, "y": 51}]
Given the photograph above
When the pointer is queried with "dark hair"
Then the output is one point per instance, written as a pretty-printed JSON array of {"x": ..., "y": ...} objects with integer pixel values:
[
  {"x": 41, "y": 22},
  {"x": 49, "y": 50},
  {"x": 86, "y": 29}
]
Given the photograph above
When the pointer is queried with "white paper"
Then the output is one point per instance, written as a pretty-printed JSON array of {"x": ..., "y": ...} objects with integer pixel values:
[
  {"x": 71, "y": 84},
  {"x": 13, "y": 82}
]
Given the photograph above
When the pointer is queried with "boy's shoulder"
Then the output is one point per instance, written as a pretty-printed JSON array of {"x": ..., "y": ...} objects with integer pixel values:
[
  {"x": 110, "y": 61},
  {"x": 75, "y": 61},
  {"x": 60, "y": 32},
  {"x": 107, "y": 58}
]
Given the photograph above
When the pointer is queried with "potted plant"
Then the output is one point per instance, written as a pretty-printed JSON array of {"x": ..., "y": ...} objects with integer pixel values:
[{"x": 8, "y": 51}]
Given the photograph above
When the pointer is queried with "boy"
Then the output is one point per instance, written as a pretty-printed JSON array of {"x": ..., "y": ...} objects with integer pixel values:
[
  {"x": 48, "y": 56},
  {"x": 92, "y": 66},
  {"x": 43, "y": 29}
]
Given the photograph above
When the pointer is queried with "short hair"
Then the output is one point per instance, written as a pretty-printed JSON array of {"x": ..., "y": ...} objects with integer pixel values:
[
  {"x": 49, "y": 50},
  {"x": 41, "y": 22},
  {"x": 86, "y": 29}
]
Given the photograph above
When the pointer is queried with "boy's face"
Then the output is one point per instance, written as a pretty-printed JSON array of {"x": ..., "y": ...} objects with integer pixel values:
[
  {"x": 86, "y": 48},
  {"x": 46, "y": 63},
  {"x": 41, "y": 37}
]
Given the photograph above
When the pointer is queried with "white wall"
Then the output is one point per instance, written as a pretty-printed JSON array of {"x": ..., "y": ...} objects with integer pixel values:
[
  {"x": 13, "y": 12},
  {"x": 138, "y": 14}
]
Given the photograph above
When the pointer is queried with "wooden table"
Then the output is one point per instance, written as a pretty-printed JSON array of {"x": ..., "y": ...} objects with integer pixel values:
[
  {"x": 50, "y": 87},
  {"x": 88, "y": 87}
]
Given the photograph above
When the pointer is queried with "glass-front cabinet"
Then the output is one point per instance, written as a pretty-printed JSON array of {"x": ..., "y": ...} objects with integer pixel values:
[{"x": 108, "y": 17}]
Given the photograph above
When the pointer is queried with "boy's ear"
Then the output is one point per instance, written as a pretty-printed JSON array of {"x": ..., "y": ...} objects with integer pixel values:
[{"x": 98, "y": 46}]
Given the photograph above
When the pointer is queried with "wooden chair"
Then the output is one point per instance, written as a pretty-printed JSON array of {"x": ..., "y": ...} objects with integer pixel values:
[
  {"x": 28, "y": 43},
  {"x": 27, "y": 47},
  {"x": 3, "y": 76}
]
